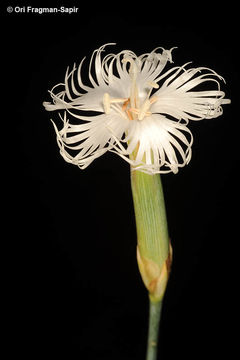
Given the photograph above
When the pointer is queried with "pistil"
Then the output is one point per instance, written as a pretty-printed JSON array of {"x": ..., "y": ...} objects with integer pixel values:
[
  {"x": 143, "y": 110},
  {"x": 131, "y": 106},
  {"x": 133, "y": 71}
]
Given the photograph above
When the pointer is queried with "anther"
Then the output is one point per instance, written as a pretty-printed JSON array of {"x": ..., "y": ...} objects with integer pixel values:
[
  {"x": 107, "y": 101},
  {"x": 153, "y": 84},
  {"x": 143, "y": 111}
]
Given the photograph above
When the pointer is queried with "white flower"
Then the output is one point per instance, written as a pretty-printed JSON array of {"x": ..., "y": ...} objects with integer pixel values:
[{"x": 133, "y": 109}]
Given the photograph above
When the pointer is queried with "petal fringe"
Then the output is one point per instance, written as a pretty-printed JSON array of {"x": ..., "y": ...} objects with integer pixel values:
[{"x": 159, "y": 139}]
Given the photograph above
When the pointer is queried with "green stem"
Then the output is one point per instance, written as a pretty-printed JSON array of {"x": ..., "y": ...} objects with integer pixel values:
[
  {"x": 153, "y": 247},
  {"x": 150, "y": 214},
  {"x": 153, "y": 329}
]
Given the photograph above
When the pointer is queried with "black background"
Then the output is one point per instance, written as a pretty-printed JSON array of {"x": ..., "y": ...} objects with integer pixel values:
[{"x": 70, "y": 276}]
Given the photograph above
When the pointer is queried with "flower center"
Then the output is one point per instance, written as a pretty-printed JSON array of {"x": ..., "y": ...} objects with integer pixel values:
[{"x": 133, "y": 108}]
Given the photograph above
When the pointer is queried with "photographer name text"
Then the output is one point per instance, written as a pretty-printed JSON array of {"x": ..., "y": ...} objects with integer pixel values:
[{"x": 42, "y": 10}]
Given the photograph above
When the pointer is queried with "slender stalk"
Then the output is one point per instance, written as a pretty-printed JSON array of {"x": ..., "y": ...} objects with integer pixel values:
[
  {"x": 150, "y": 214},
  {"x": 154, "y": 252},
  {"x": 155, "y": 308}
]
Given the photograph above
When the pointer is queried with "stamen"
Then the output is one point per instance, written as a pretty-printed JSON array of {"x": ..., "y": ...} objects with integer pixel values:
[
  {"x": 107, "y": 101},
  {"x": 118, "y": 100},
  {"x": 143, "y": 111},
  {"x": 125, "y": 104},
  {"x": 146, "y": 105},
  {"x": 129, "y": 114},
  {"x": 131, "y": 105},
  {"x": 153, "y": 99},
  {"x": 144, "y": 108},
  {"x": 153, "y": 84},
  {"x": 137, "y": 111}
]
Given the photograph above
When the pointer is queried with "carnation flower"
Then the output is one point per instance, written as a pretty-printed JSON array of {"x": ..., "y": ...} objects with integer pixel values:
[{"x": 133, "y": 108}]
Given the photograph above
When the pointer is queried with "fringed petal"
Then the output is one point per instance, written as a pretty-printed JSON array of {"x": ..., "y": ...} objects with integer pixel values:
[
  {"x": 127, "y": 107},
  {"x": 161, "y": 145},
  {"x": 80, "y": 143},
  {"x": 175, "y": 99}
]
